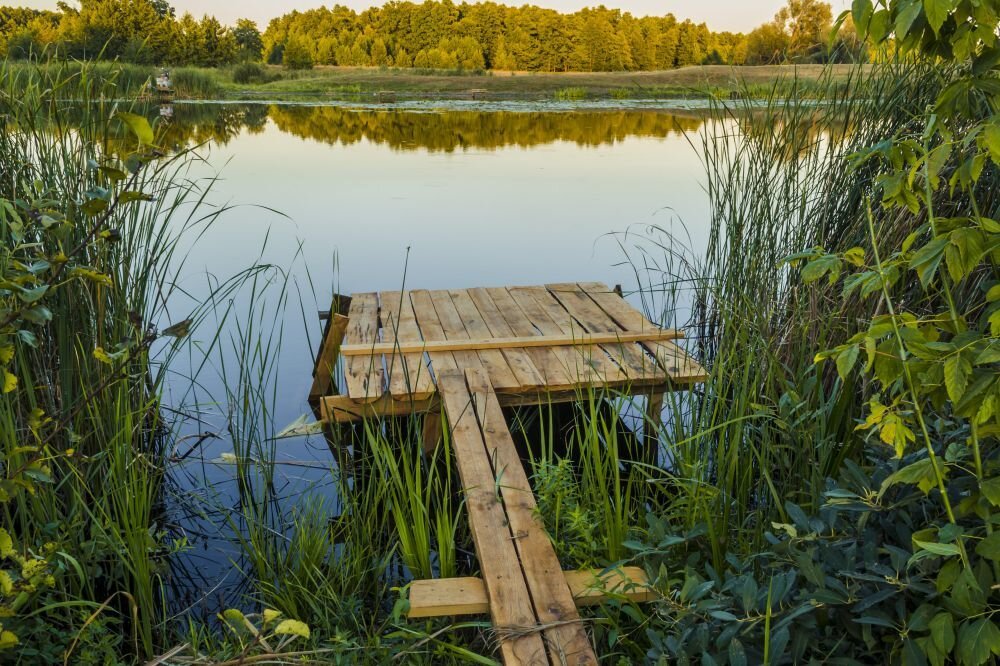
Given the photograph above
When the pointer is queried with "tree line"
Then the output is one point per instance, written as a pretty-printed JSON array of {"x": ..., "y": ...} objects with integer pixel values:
[{"x": 435, "y": 34}]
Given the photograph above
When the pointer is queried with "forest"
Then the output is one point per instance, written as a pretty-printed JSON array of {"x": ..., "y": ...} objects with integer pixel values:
[{"x": 436, "y": 34}]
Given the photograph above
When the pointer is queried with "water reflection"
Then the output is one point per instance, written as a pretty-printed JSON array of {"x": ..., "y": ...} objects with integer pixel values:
[{"x": 443, "y": 130}]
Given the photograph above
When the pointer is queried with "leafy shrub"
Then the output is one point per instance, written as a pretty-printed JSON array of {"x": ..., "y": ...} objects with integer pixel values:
[
  {"x": 856, "y": 582},
  {"x": 251, "y": 72}
]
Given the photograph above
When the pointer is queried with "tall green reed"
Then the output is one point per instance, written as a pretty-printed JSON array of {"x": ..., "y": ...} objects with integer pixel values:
[
  {"x": 97, "y": 371},
  {"x": 767, "y": 426}
]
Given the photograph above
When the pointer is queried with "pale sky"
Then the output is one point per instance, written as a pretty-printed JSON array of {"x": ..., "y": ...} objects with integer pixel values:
[{"x": 734, "y": 15}]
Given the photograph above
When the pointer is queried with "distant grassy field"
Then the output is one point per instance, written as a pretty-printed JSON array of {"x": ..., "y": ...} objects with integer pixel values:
[
  {"x": 685, "y": 82},
  {"x": 247, "y": 82}
]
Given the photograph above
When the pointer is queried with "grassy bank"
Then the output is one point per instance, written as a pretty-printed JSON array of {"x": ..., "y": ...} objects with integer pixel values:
[{"x": 271, "y": 82}]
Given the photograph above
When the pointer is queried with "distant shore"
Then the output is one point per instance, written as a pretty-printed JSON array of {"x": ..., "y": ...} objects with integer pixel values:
[{"x": 687, "y": 82}]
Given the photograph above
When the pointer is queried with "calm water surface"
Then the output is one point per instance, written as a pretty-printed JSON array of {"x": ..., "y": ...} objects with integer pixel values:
[{"x": 345, "y": 198}]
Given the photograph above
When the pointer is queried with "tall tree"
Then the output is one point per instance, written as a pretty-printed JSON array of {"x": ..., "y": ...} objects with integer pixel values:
[{"x": 248, "y": 40}]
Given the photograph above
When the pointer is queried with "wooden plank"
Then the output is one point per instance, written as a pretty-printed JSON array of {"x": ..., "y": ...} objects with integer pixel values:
[
  {"x": 486, "y": 343},
  {"x": 674, "y": 360},
  {"x": 454, "y": 328},
  {"x": 438, "y": 597},
  {"x": 341, "y": 409},
  {"x": 431, "y": 330},
  {"x": 509, "y": 601},
  {"x": 477, "y": 325},
  {"x": 635, "y": 361},
  {"x": 409, "y": 376},
  {"x": 326, "y": 360},
  {"x": 566, "y": 636},
  {"x": 363, "y": 375},
  {"x": 545, "y": 360},
  {"x": 549, "y": 315}
]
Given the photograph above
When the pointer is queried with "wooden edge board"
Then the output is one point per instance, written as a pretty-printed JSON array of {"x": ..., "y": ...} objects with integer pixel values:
[
  {"x": 582, "y": 339},
  {"x": 438, "y": 597},
  {"x": 326, "y": 360},
  {"x": 343, "y": 409}
]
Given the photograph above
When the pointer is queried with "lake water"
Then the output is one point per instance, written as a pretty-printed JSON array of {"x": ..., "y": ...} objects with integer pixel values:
[{"x": 344, "y": 198}]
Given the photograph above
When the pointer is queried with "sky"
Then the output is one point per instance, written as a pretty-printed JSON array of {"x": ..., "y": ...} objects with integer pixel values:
[{"x": 733, "y": 15}]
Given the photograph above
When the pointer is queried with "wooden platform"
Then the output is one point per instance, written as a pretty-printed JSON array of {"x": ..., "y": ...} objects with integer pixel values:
[
  {"x": 536, "y": 343},
  {"x": 467, "y": 353}
]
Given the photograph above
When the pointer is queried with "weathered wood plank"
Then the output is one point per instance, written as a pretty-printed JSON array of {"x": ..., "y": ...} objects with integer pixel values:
[
  {"x": 509, "y": 601},
  {"x": 454, "y": 328},
  {"x": 545, "y": 360},
  {"x": 635, "y": 361},
  {"x": 438, "y": 597},
  {"x": 674, "y": 360},
  {"x": 566, "y": 637},
  {"x": 487, "y": 343},
  {"x": 549, "y": 315},
  {"x": 409, "y": 377},
  {"x": 341, "y": 409},
  {"x": 326, "y": 360},
  {"x": 363, "y": 375},
  {"x": 477, "y": 324},
  {"x": 431, "y": 330}
]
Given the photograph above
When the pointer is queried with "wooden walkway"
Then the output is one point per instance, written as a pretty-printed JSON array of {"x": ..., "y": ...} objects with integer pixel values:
[{"x": 467, "y": 353}]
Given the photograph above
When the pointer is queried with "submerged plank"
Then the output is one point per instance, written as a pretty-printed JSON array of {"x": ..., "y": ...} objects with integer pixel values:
[{"x": 438, "y": 597}]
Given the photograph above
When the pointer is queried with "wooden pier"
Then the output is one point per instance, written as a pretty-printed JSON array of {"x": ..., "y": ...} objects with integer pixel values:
[{"x": 465, "y": 354}]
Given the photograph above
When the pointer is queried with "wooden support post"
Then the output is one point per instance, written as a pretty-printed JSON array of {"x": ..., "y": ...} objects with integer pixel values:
[
  {"x": 651, "y": 424},
  {"x": 431, "y": 433}
]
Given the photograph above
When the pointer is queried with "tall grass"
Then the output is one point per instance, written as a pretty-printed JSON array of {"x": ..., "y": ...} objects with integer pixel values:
[
  {"x": 102, "y": 422},
  {"x": 769, "y": 425}
]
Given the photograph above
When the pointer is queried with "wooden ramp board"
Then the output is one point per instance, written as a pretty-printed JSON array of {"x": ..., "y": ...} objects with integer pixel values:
[
  {"x": 530, "y": 602},
  {"x": 467, "y": 596}
]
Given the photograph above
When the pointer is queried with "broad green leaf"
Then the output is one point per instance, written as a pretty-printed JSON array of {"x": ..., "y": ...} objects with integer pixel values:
[
  {"x": 956, "y": 376},
  {"x": 855, "y": 256},
  {"x": 861, "y": 12},
  {"x": 920, "y": 473},
  {"x": 991, "y": 490},
  {"x": 943, "y": 632},
  {"x": 976, "y": 641},
  {"x": 991, "y": 138},
  {"x": 846, "y": 360},
  {"x": 936, "y": 12},
  {"x": 927, "y": 259},
  {"x": 7, "y": 639},
  {"x": 6, "y": 544},
  {"x": 6, "y": 584},
  {"x": 942, "y": 549},
  {"x": 270, "y": 615},
  {"x": 990, "y": 547},
  {"x": 292, "y": 628},
  {"x": 140, "y": 127},
  {"x": 904, "y": 19},
  {"x": 9, "y": 382}
]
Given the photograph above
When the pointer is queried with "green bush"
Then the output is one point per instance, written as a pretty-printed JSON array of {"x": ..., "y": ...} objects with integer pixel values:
[{"x": 250, "y": 72}]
